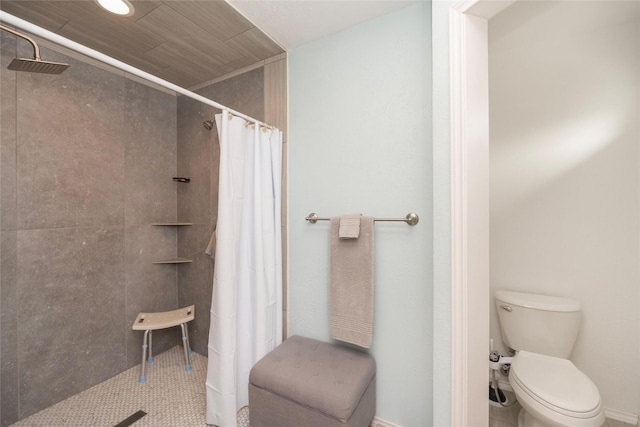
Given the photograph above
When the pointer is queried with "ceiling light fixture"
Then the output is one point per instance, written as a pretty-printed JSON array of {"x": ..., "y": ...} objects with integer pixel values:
[{"x": 119, "y": 7}]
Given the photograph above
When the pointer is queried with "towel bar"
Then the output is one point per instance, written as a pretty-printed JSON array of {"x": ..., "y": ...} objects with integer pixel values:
[{"x": 411, "y": 218}]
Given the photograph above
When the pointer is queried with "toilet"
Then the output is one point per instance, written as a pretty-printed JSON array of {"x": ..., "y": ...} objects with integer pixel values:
[{"x": 542, "y": 330}]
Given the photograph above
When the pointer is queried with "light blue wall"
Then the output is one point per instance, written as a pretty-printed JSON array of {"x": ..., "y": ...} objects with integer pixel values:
[{"x": 360, "y": 141}]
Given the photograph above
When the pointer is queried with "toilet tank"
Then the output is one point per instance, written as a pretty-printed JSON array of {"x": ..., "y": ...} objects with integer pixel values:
[{"x": 538, "y": 323}]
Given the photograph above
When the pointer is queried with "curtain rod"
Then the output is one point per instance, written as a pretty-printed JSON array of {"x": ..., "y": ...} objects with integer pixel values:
[
  {"x": 62, "y": 41},
  {"x": 411, "y": 218}
]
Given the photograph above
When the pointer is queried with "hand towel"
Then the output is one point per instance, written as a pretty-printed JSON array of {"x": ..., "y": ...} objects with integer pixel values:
[
  {"x": 352, "y": 286},
  {"x": 211, "y": 247},
  {"x": 349, "y": 226}
]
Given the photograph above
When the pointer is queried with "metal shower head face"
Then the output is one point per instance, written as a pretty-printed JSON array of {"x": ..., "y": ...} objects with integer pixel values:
[
  {"x": 208, "y": 124},
  {"x": 37, "y": 66}
]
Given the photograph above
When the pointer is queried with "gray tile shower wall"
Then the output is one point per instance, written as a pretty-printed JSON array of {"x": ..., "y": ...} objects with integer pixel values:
[
  {"x": 198, "y": 158},
  {"x": 70, "y": 305},
  {"x": 86, "y": 161},
  {"x": 8, "y": 236},
  {"x": 150, "y": 196},
  {"x": 70, "y": 148}
]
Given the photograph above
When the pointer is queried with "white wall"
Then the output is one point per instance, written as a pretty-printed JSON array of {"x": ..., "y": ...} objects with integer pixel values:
[
  {"x": 360, "y": 141},
  {"x": 564, "y": 102},
  {"x": 441, "y": 116}
]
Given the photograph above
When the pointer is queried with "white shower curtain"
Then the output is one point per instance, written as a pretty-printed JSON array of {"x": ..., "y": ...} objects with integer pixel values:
[{"x": 246, "y": 306}]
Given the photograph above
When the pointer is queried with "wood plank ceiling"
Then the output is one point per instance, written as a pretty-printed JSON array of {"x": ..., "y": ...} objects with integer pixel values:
[{"x": 187, "y": 42}]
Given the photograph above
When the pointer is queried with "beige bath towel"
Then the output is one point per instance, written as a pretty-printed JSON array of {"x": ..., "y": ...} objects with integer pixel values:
[
  {"x": 351, "y": 288},
  {"x": 211, "y": 247}
]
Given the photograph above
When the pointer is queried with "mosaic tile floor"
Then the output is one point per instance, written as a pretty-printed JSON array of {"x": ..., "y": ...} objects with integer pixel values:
[{"x": 171, "y": 397}]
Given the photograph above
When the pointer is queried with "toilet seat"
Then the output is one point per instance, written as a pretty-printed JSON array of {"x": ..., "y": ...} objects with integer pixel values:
[{"x": 555, "y": 389}]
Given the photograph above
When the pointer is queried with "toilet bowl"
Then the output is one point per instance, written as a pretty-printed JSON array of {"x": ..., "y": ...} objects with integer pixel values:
[{"x": 553, "y": 392}]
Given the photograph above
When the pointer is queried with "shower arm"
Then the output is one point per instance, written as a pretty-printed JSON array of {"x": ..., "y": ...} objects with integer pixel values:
[{"x": 36, "y": 48}]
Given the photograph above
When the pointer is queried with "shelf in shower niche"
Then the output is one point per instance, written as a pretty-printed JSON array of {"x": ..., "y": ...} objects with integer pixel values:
[
  {"x": 173, "y": 261},
  {"x": 172, "y": 223}
]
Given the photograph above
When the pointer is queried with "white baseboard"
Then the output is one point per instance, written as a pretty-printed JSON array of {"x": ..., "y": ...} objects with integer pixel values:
[
  {"x": 625, "y": 417},
  {"x": 379, "y": 422}
]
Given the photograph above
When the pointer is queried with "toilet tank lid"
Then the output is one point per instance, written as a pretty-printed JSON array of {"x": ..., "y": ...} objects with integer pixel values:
[{"x": 538, "y": 302}]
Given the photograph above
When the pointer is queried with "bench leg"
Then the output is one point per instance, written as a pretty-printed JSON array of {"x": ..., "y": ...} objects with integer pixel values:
[
  {"x": 150, "y": 358},
  {"x": 185, "y": 345},
  {"x": 143, "y": 377},
  {"x": 186, "y": 331}
]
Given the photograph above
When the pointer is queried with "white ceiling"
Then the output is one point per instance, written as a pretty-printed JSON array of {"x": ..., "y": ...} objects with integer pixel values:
[{"x": 292, "y": 23}]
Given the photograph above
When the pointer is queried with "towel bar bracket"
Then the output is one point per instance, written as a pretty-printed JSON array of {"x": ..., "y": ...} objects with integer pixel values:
[{"x": 412, "y": 218}]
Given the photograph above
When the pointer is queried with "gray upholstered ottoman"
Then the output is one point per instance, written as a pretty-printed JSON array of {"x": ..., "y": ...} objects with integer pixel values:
[{"x": 309, "y": 383}]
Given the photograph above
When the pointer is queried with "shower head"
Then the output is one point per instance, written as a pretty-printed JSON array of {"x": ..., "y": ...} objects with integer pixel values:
[
  {"x": 208, "y": 124},
  {"x": 35, "y": 65}
]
